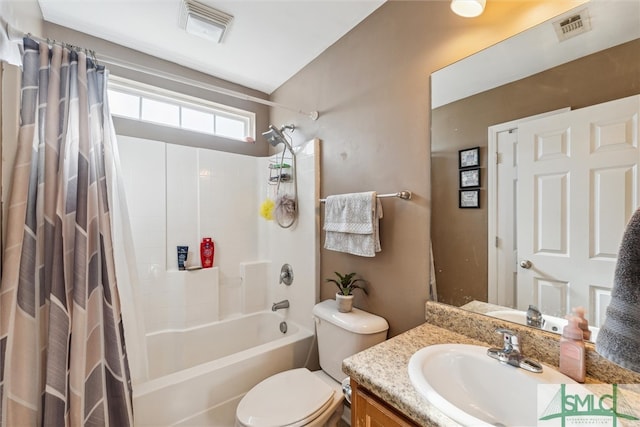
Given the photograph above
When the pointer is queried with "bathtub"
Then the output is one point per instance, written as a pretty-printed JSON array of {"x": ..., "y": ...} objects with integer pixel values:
[{"x": 198, "y": 375}]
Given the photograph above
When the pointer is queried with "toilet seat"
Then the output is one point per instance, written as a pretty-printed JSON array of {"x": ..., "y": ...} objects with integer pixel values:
[{"x": 291, "y": 398}]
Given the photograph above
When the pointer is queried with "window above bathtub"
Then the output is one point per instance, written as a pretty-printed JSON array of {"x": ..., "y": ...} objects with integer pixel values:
[{"x": 154, "y": 105}]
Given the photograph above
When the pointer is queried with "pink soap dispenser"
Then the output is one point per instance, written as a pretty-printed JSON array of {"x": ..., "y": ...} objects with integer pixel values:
[
  {"x": 583, "y": 323},
  {"x": 572, "y": 351}
]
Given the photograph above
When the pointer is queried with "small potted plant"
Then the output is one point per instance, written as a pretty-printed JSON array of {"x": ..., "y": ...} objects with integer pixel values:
[{"x": 346, "y": 285}]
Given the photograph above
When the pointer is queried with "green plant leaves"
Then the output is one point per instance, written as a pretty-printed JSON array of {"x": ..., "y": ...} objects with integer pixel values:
[{"x": 347, "y": 284}]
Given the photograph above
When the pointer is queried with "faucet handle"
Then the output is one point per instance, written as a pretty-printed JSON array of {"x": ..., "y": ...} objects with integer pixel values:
[
  {"x": 534, "y": 317},
  {"x": 509, "y": 338},
  {"x": 286, "y": 274},
  {"x": 510, "y": 353}
]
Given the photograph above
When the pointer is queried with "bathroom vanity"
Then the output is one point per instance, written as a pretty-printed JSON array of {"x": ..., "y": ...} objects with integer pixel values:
[
  {"x": 383, "y": 393},
  {"x": 370, "y": 410}
]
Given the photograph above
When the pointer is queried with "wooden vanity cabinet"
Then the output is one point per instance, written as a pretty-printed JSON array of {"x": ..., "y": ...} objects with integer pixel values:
[{"x": 368, "y": 410}]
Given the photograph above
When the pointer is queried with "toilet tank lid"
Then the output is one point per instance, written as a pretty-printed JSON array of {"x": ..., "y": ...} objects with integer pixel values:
[{"x": 357, "y": 321}]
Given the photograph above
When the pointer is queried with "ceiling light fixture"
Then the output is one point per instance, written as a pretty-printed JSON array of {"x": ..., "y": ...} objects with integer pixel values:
[
  {"x": 468, "y": 8},
  {"x": 204, "y": 21}
]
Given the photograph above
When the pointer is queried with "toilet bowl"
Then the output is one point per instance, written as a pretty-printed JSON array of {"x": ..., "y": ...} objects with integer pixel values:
[{"x": 299, "y": 397}]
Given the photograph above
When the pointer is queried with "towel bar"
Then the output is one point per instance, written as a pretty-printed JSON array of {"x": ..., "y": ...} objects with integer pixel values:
[{"x": 405, "y": 195}]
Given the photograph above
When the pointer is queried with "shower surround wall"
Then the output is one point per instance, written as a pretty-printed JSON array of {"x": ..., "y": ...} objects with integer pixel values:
[{"x": 176, "y": 195}]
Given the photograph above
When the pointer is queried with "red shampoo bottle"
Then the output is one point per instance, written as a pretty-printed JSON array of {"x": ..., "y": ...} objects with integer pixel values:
[{"x": 206, "y": 252}]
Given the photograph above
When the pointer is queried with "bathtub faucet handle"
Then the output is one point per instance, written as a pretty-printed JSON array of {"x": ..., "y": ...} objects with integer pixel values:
[
  {"x": 286, "y": 274},
  {"x": 279, "y": 305}
]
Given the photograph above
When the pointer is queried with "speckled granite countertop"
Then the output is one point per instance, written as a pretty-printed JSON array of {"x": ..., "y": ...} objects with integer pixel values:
[
  {"x": 484, "y": 307},
  {"x": 382, "y": 369}
]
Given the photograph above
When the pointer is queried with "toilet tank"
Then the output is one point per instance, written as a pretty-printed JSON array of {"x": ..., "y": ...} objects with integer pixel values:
[{"x": 341, "y": 335}]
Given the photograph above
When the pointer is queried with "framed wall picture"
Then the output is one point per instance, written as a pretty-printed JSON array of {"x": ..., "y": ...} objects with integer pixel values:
[
  {"x": 470, "y": 178},
  {"x": 469, "y": 157},
  {"x": 469, "y": 199}
]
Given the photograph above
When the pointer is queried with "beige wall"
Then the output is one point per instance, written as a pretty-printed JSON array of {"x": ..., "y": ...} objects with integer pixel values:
[
  {"x": 461, "y": 252},
  {"x": 372, "y": 91}
]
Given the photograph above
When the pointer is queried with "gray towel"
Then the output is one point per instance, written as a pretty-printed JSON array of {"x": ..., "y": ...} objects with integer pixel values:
[
  {"x": 619, "y": 337},
  {"x": 351, "y": 223}
]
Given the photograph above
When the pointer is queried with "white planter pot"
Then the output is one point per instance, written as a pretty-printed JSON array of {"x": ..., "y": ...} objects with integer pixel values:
[{"x": 345, "y": 302}]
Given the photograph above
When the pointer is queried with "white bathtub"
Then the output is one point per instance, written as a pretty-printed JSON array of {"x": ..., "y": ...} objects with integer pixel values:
[{"x": 197, "y": 375}]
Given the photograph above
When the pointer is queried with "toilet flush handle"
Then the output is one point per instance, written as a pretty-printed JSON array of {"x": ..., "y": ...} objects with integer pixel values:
[{"x": 346, "y": 390}]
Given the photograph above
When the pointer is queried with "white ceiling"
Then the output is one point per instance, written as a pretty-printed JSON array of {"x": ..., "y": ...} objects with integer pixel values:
[{"x": 267, "y": 42}]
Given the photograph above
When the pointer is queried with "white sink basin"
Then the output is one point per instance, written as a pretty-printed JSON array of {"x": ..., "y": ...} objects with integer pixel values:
[
  {"x": 474, "y": 389},
  {"x": 551, "y": 323}
]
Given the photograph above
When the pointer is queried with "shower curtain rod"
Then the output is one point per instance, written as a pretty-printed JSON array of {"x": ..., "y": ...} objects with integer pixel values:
[{"x": 313, "y": 115}]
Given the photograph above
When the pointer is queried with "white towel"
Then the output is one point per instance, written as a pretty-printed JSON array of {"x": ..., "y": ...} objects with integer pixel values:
[{"x": 351, "y": 223}]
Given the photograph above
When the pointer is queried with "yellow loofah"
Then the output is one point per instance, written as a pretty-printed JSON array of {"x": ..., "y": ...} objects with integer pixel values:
[{"x": 266, "y": 209}]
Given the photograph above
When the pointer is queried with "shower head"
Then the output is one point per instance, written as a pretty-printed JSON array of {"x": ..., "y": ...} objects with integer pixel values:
[{"x": 275, "y": 136}]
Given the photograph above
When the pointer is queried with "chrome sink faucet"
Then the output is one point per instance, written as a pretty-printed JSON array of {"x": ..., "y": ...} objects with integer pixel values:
[
  {"x": 510, "y": 352},
  {"x": 279, "y": 305},
  {"x": 534, "y": 317}
]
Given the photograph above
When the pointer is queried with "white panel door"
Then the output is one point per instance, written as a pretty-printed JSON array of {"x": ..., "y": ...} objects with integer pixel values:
[
  {"x": 505, "y": 220},
  {"x": 578, "y": 185}
]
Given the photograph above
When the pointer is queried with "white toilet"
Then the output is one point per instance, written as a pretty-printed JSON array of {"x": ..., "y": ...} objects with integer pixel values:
[{"x": 299, "y": 397}]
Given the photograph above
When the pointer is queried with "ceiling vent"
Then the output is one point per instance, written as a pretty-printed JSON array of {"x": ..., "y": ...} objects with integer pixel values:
[
  {"x": 572, "y": 25},
  {"x": 204, "y": 21}
]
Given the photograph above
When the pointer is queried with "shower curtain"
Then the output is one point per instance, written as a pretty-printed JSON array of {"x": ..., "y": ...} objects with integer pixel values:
[{"x": 62, "y": 350}]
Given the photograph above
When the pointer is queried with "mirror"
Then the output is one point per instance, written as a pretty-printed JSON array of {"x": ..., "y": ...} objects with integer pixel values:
[{"x": 526, "y": 75}]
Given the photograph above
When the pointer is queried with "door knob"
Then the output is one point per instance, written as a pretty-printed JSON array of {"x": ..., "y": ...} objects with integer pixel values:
[{"x": 525, "y": 263}]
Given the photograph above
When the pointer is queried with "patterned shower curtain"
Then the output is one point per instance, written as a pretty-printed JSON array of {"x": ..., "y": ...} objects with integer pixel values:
[{"x": 62, "y": 352}]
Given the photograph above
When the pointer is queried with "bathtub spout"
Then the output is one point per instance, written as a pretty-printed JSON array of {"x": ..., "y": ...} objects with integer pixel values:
[{"x": 279, "y": 305}]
